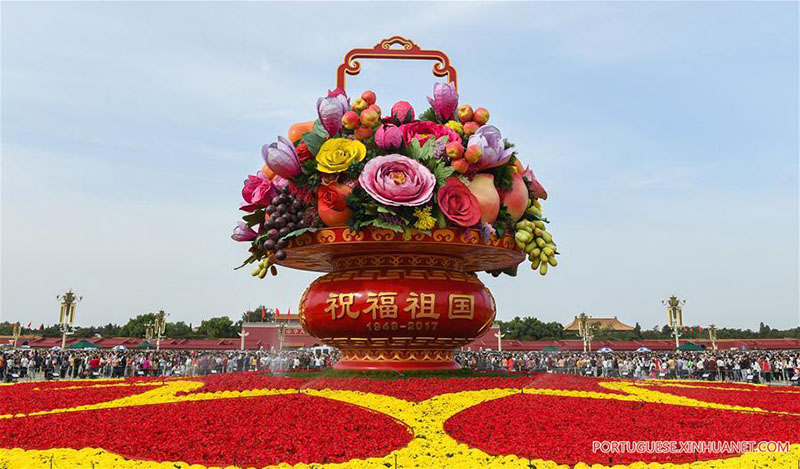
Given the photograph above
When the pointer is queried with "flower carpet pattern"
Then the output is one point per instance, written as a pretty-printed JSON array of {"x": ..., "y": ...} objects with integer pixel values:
[{"x": 254, "y": 420}]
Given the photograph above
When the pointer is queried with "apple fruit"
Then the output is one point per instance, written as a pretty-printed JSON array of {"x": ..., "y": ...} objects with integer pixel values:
[
  {"x": 473, "y": 154},
  {"x": 460, "y": 166},
  {"x": 481, "y": 115},
  {"x": 454, "y": 150},
  {"x": 470, "y": 128},
  {"x": 369, "y": 96},
  {"x": 363, "y": 133},
  {"x": 350, "y": 120},
  {"x": 464, "y": 113}
]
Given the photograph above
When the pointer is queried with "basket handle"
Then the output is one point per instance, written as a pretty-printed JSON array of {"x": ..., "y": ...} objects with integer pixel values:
[{"x": 384, "y": 50}]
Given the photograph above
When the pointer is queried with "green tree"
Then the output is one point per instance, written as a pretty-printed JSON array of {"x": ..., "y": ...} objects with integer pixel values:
[
  {"x": 179, "y": 330},
  {"x": 215, "y": 328},
  {"x": 135, "y": 326}
]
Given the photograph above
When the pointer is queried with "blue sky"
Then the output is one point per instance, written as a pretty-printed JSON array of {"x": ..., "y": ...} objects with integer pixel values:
[{"x": 665, "y": 133}]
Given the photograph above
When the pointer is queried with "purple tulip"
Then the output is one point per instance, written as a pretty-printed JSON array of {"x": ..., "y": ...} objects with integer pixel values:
[
  {"x": 397, "y": 180},
  {"x": 388, "y": 137},
  {"x": 330, "y": 111},
  {"x": 242, "y": 232},
  {"x": 445, "y": 100},
  {"x": 493, "y": 149},
  {"x": 402, "y": 112},
  {"x": 281, "y": 158}
]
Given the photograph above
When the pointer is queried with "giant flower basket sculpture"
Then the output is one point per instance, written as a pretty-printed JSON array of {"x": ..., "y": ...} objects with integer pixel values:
[{"x": 401, "y": 212}]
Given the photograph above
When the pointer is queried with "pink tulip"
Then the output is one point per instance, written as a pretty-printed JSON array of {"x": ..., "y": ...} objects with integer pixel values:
[
  {"x": 445, "y": 100},
  {"x": 242, "y": 232},
  {"x": 535, "y": 187},
  {"x": 402, "y": 112},
  {"x": 388, "y": 137}
]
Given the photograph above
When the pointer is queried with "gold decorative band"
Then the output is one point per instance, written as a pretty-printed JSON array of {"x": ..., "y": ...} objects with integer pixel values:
[
  {"x": 386, "y": 355},
  {"x": 397, "y": 260}
]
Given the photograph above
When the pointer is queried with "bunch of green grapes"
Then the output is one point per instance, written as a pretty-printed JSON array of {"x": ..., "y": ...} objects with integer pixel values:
[
  {"x": 264, "y": 265},
  {"x": 532, "y": 237}
]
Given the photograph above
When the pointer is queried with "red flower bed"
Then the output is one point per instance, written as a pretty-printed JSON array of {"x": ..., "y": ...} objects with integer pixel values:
[
  {"x": 563, "y": 428},
  {"x": 780, "y": 399},
  {"x": 412, "y": 389},
  {"x": 247, "y": 431},
  {"x": 33, "y": 397}
]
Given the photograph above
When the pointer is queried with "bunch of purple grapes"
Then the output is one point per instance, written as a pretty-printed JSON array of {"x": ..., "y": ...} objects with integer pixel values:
[{"x": 285, "y": 215}]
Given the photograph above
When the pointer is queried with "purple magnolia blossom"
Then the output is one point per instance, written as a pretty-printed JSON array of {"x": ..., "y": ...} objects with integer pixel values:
[
  {"x": 445, "y": 100},
  {"x": 397, "y": 180},
  {"x": 331, "y": 109},
  {"x": 388, "y": 137},
  {"x": 242, "y": 232},
  {"x": 257, "y": 192},
  {"x": 536, "y": 187},
  {"x": 494, "y": 151},
  {"x": 281, "y": 158}
]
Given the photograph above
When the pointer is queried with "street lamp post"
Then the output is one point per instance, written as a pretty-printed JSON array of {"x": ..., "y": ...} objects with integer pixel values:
[
  {"x": 67, "y": 314},
  {"x": 242, "y": 334},
  {"x": 281, "y": 332},
  {"x": 585, "y": 331},
  {"x": 499, "y": 336},
  {"x": 675, "y": 316},
  {"x": 16, "y": 333},
  {"x": 159, "y": 327},
  {"x": 712, "y": 336}
]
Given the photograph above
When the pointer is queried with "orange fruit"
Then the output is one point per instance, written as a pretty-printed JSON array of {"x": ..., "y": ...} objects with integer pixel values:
[
  {"x": 297, "y": 130},
  {"x": 266, "y": 170}
]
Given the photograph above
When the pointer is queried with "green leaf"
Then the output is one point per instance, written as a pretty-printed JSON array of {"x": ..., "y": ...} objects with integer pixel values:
[
  {"x": 378, "y": 223},
  {"x": 254, "y": 218},
  {"x": 298, "y": 232},
  {"x": 414, "y": 150},
  {"x": 406, "y": 234},
  {"x": 426, "y": 152},
  {"x": 313, "y": 141},
  {"x": 441, "y": 222},
  {"x": 247, "y": 261},
  {"x": 383, "y": 209},
  {"x": 442, "y": 173},
  {"x": 319, "y": 130},
  {"x": 429, "y": 115}
]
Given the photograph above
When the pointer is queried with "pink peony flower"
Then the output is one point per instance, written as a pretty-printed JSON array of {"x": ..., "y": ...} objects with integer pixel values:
[
  {"x": 257, "y": 192},
  {"x": 242, "y": 232},
  {"x": 397, "y": 180},
  {"x": 402, "y": 112},
  {"x": 423, "y": 130},
  {"x": 445, "y": 100},
  {"x": 388, "y": 137},
  {"x": 535, "y": 187}
]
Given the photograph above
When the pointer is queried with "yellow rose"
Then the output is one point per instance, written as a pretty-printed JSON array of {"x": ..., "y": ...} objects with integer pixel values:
[{"x": 337, "y": 154}]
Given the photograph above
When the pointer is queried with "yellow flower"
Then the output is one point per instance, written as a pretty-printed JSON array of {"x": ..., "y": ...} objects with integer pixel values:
[
  {"x": 455, "y": 127},
  {"x": 337, "y": 154},
  {"x": 424, "y": 219}
]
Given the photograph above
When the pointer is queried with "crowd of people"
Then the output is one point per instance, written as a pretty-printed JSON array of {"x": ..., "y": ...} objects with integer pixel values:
[
  {"x": 751, "y": 366},
  {"x": 49, "y": 364},
  {"x": 745, "y": 366}
]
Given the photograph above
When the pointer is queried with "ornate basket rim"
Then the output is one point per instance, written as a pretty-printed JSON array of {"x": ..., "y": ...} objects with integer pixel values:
[{"x": 316, "y": 251}]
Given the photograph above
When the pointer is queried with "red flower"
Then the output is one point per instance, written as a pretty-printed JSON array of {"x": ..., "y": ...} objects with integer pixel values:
[
  {"x": 458, "y": 204},
  {"x": 423, "y": 130},
  {"x": 303, "y": 153},
  {"x": 257, "y": 192},
  {"x": 332, "y": 207}
]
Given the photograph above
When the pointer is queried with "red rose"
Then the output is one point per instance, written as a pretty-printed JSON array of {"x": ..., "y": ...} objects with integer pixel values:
[
  {"x": 458, "y": 204},
  {"x": 423, "y": 130},
  {"x": 303, "y": 153},
  {"x": 331, "y": 206}
]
